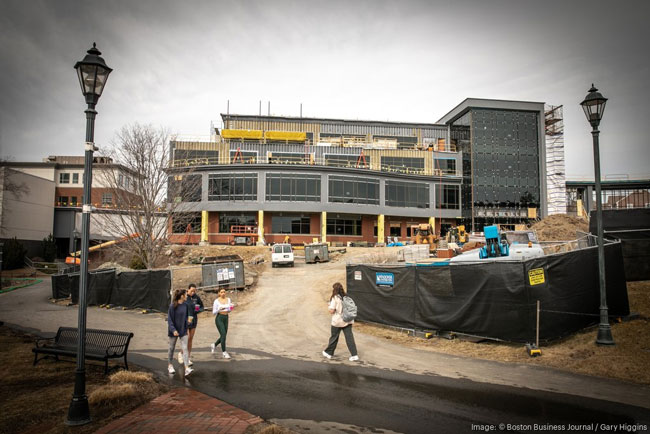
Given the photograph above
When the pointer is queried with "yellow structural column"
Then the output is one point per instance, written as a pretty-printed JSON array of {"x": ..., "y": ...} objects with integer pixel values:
[
  {"x": 260, "y": 227},
  {"x": 323, "y": 226},
  {"x": 204, "y": 227},
  {"x": 432, "y": 223},
  {"x": 380, "y": 229}
]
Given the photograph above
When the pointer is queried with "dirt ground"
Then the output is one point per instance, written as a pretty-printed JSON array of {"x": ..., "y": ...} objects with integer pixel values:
[
  {"x": 560, "y": 227},
  {"x": 36, "y": 400}
]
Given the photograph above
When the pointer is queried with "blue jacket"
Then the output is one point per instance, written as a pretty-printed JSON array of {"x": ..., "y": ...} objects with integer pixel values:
[
  {"x": 192, "y": 302},
  {"x": 177, "y": 320}
]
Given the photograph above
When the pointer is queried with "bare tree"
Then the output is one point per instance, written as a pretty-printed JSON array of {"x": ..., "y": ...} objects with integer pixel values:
[{"x": 142, "y": 215}]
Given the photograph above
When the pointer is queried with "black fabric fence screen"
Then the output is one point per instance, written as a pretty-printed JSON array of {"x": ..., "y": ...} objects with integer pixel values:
[
  {"x": 632, "y": 228},
  {"x": 149, "y": 289},
  {"x": 495, "y": 300}
]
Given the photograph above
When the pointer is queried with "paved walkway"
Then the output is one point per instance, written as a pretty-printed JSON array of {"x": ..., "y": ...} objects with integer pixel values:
[{"x": 183, "y": 410}]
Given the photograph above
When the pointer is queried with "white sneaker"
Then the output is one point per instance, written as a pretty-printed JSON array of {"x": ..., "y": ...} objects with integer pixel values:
[
  {"x": 188, "y": 371},
  {"x": 327, "y": 356},
  {"x": 189, "y": 362},
  {"x": 180, "y": 358},
  {"x": 212, "y": 347},
  {"x": 170, "y": 369},
  {"x": 226, "y": 355},
  {"x": 354, "y": 358}
]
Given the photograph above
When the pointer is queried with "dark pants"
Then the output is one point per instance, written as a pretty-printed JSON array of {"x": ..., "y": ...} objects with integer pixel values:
[
  {"x": 334, "y": 339},
  {"x": 221, "y": 321}
]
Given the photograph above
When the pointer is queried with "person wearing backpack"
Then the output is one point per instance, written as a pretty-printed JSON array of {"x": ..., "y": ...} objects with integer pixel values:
[{"x": 343, "y": 312}]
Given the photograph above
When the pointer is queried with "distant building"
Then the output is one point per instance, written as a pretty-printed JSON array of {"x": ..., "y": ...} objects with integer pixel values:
[
  {"x": 364, "y": 181},
  {"x": 615, "y": 194},
  {"x": 52, "y": 201}
]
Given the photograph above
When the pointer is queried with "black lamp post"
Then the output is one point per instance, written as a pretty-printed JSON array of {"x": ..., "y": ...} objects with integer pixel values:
[
  {"x": 93, "y": 73},
  {"x": 594, "y": 106}
]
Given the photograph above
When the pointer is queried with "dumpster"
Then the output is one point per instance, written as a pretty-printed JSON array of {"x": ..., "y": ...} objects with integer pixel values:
[
  {"x": 316, "y": 253},
  {"x": 223, "y": 272}
]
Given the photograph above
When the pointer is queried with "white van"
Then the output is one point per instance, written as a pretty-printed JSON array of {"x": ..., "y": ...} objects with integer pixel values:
[{"x": 281, "y": 254}]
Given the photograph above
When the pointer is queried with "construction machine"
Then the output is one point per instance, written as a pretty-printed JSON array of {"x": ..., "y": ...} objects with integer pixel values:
[
  {"x": 457, "y": 234},
  {"x": 424, "y": 234}
]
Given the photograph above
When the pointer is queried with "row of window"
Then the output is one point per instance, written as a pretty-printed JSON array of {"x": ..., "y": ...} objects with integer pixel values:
[
  {"x": 342, "y": 189},
  {"x": 107, "y": 199},
  {"x": 64, "y": 178}
]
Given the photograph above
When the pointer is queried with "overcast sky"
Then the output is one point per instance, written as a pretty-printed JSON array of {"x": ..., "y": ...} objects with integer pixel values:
[{"x": 177, "y": 63}]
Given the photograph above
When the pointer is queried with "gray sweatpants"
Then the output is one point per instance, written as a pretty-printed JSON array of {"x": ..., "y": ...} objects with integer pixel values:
[{"x": 172, "y": 347}]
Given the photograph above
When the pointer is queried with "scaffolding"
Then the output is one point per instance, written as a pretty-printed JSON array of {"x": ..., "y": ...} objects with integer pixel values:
[{"x": 555, "y": 170}]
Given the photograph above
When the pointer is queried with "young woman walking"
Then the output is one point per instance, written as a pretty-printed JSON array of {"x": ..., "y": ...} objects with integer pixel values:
[
  {"x": 178, "y": 321},
  {"x": 336, "y": 308},
  {"x": 221, "y": 308},
  {"x": 194, "y": 306}
]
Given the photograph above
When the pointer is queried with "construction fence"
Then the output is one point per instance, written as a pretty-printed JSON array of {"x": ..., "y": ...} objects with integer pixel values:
[{"x": 495, "y": 300}]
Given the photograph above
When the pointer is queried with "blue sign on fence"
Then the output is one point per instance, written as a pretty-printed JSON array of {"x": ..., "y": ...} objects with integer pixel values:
[{"x": 385, "y": 279}]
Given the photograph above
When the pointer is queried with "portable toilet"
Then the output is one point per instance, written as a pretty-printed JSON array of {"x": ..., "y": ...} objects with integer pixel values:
[{"x": 316, "y": 253}]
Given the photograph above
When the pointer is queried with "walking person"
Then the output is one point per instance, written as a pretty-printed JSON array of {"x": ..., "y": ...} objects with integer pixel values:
[
  {"x": 221, "y": 308},
  {"x": 178, "y": 320},
  {"x": 195, "y": 306},
  {"x": 338, "y": 325}
]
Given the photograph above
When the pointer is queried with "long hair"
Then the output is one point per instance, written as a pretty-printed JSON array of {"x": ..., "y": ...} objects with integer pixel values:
[
  {"x": 177, "y": 296},
  {"x": 337, "y": 289}
]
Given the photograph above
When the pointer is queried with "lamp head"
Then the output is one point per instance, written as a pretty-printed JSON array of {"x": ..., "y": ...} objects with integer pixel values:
[
  {"x": 594, "y": 106},
  {"x": 93, "y": 73}
]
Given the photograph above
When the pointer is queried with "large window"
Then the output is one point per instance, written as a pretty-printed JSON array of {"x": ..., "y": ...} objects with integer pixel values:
[
  {"x": 445, "y": 166},
  {"x": 186, "y": 222},
  {"x": 352, "y": 161},
  {"x": 75, "y": 178},
  {"x": 292, "y": 187},
  {"x": 237, "y": 156},
  {"x": 402, "y": 164},
  {"x": 64, "y": 178},
  {"x": 407, "y": 194},
  {"x": 227, "y": 220},
  {"x": 448, "y": 197},
  {"x": 284, "y": 223},
  {"x": 182, "y": 188},
  {"x": 288, "y": 158},
  {"x": 191, "y": 157},
  {"x": 343, "y": 224},
  {"x": 347, "y": 189},
  {"x": 232, "y": 186}
]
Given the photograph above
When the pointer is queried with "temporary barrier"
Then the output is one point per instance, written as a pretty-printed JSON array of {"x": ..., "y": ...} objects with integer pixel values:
[
  {"x": 632, "y": 228},
  {"x": 494, "y": 300},
  {"x": 147, "y": 289}
]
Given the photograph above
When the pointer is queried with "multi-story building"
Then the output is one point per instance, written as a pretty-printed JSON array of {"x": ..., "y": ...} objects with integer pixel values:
[
  {"x": 348, "y": 180},
  {"x": 51, "y": 201}
]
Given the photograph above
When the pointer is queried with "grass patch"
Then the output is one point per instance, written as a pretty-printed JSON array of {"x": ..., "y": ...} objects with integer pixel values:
[{"x": 35, "y": 399}]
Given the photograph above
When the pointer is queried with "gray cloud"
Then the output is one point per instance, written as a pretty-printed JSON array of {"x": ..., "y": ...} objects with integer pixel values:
[{"x": 177, "y": 63}]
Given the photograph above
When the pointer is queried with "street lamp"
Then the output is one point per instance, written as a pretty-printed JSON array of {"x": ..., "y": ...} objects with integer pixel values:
[
  {"x": 93, "y": 73},
  {"x": 594, "y": 106}
]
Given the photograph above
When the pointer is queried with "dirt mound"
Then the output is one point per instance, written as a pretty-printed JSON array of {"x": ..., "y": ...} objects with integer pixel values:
[{"x": 560, "y": 227}]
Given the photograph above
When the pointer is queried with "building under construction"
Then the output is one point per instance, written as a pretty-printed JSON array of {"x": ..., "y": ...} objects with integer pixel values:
[{"x": 363, "y": 181}]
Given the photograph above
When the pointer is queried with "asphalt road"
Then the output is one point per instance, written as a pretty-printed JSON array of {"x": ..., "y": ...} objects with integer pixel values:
[{"x": 310, "y": 396}]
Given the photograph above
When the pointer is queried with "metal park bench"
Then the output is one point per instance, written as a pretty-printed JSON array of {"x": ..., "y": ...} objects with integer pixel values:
[{"x": 100, "y": 345}]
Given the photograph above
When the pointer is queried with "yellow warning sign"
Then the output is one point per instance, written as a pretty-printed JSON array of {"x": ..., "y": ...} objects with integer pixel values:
[{"x": 536, "y": 276}]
